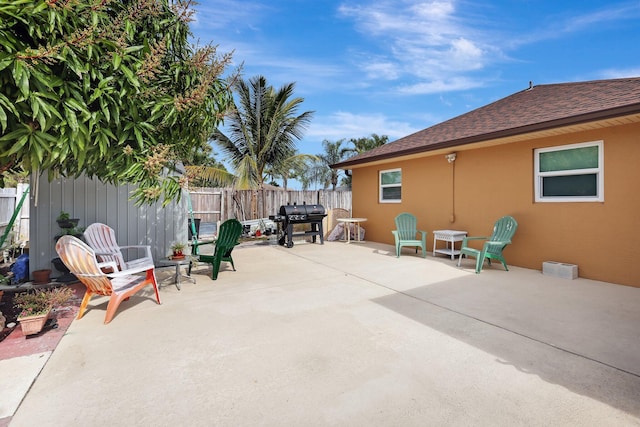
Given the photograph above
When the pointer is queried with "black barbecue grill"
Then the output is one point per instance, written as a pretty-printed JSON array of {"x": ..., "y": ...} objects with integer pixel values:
[{"x": 299, "y": 214}]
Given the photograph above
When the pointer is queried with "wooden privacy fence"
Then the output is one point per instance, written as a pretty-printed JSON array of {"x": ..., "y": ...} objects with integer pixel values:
[{"x": 220, "y": 204}]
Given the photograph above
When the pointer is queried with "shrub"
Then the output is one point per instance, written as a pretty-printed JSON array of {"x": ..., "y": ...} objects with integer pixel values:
[{"x": 41, "y": 301}]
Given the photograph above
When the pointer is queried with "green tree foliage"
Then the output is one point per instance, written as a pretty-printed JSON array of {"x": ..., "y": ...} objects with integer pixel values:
[
  {"x": 318, "y": 170},
  {"x": 203, "y": 169},
  {"x": 289, "y": 168},
  {"x": 333, "y": 153},
  {"x": 314, "y": 174},
  {"x": 263, "y": 128},
  {"x": 107, "y": 88},
  {"x": 360, "y": 145}
]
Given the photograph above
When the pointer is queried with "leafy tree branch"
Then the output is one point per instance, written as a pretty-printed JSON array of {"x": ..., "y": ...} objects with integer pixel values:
[{"x": 111, "y": 89}]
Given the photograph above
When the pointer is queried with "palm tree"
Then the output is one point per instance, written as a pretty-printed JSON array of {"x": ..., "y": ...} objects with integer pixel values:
[
  {"x": 360, "y": 145},
  {"x": 203, "y": 168},
  {"x": 314, "y": 171},
  {"x": 263, "y": 129},
  {"x": 333, "y": 153},
  {"x": 290, "y": 167}
]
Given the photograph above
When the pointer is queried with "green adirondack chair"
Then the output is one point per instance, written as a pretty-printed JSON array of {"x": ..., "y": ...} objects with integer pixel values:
[
  {"x": 228, "y": 236},
  {"x": 406, "y": 232},
  {"x": 503, "y": 232}
]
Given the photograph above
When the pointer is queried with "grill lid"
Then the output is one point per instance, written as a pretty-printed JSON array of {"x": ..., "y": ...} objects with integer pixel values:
[{"x": 298, "y": 211}]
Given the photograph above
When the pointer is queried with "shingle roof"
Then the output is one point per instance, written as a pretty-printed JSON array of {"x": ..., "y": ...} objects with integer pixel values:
[{"x": 538, "y": 108}]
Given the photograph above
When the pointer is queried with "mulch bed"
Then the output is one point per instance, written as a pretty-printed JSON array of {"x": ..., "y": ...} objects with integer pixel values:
[
  {"x": 9, "y": 311},
  {"x": 13, "y": 343}
]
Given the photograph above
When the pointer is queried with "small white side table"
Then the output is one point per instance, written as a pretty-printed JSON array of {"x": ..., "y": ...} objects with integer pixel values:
[
  {"x": 451, "y": 237},
  {"x": 356, "y": 221}
]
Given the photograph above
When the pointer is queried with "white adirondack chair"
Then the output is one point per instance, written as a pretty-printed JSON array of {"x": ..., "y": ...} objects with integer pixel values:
[{"x": 102, "y": 239}]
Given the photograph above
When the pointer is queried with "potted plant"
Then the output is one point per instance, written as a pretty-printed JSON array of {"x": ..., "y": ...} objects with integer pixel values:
[
  {"x": 35, "y": 307},
  {"x": 69, "y": 226},
  {"x": 65, "y": 221},
  {"x": 41, "y": 277},
  {"x": 261, "y": 228},
  {"x": 178, "y": 250},
  {"x": 75, "y": 231}
]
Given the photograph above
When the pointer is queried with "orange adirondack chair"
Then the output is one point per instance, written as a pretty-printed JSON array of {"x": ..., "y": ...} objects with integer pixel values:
[{"x": 81, "y": 260}]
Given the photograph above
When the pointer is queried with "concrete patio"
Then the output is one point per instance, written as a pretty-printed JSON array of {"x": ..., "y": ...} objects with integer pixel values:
[{"x": 350, "y": 335}]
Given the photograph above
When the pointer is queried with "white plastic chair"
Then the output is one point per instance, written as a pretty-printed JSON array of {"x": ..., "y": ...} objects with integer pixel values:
[{"x": 102, "y": 240}]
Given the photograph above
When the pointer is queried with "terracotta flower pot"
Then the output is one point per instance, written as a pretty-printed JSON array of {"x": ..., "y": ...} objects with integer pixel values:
[
  {"x": 33, "y": 324},
  {"x": 41, "y": 277}
]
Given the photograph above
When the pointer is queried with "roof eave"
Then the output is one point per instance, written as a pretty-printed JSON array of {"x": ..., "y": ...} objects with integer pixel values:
[{"x": 536, "y": 127}]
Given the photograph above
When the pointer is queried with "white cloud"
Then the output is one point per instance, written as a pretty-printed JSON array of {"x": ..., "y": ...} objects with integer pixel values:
[
  {"x": 227, "y": 14},
  {"x": 440, "y": 86},
  {"x": 424, "y": 41},
  {"x": 381, "y": 70},
  {"x": 608, "y": 14},
  {"x": 439, "y": 43},
  {"x": 619, "y": 73},
  {"x": 347, "y": 125},
  {"x": 430, "y": 41},
  {"x": 236, "y": 25},
  {"x": 435, "y": 9},
  {"x": 466, "y": 54},
  {"x": 560, "y": 27}
]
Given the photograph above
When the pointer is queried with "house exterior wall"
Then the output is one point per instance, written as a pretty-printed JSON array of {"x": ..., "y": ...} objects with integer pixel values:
[
  {"x": 484, "y": 184},
  {"x": 93, "y": 201}
]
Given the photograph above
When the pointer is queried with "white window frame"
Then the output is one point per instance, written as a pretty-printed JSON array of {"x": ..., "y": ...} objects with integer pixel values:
[
  {"x": 599, "y": 171},
  {"x": 389, "y": 186}
]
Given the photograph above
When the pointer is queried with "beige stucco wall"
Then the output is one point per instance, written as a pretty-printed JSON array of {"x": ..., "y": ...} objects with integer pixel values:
[{"x": 486, "y": 183}]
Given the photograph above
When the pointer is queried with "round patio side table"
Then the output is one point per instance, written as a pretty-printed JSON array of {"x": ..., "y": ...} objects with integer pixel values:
[
  {"x": 177, "y": 278},
  {"x": 356, "y": 221}
]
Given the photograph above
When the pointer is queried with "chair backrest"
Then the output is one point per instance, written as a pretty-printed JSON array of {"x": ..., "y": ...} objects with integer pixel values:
[
  {"x": 228, "y": 235},
  {"x": 407, "y": 226},
  {"x": 503, "y": 231},
  {"x": 102, "y": 239},
  {"x": 81, "y": 260}
]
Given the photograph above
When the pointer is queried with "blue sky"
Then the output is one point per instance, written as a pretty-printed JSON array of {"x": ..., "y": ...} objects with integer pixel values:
[{"x": 394, "y": 67}]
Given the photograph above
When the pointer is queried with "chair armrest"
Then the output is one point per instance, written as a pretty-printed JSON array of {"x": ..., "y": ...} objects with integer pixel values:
[
  {"x": 108, "y": 264},
  {"x": 130, "y": 271},
  {"x": 466, "y": 239},
  {"x": 147, "y": 249},
  {"x": 140, "y": 263},
  {"x": 497, "y": 242},
  {"x": 112, "y": 253},
  {"x": 200, "y": 243},
  {"x": 196, "y": 245}
]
